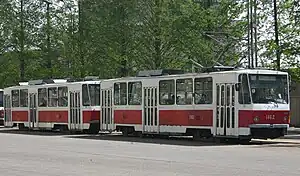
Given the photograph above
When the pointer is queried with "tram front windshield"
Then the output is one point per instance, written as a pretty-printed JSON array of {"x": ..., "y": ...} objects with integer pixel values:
[
  {"x": 1, "y": 98},
  {"x": 266, "y": 89}
]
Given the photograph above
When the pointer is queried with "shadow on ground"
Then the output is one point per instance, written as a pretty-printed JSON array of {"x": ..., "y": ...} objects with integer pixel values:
[
  {"x": 163, "y": 140},
  {"x": 279, "y": 144},
  {"x": 34, "y": 132},
  {"x": 294, "y": 136},
  {"x": 159, "y": 140}
]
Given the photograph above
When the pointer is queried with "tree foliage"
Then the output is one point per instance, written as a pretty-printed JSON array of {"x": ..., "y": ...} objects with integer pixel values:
[{"x": 117, "y": 38}]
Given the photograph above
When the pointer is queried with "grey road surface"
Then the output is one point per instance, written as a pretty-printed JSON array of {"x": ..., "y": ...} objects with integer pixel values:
[{"x": 56, "y": 155}]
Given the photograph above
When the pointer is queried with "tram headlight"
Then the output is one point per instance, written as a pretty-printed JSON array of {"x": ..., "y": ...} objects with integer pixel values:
[
  {"x": 256, "y": 119},
  {"x": 286, "y": 119}
]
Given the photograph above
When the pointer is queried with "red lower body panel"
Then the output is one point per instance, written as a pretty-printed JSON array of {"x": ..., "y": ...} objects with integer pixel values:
[
  {"x": 246, "y": 117},
  {"x": 90, "y": 116},
  {"x": 128, "y": 116},
  {"x": 186, "y": 117},
  {"x": 168, "y": 117},
  {"x": 20, "y": 116},
  {"x": 53, "y": 116}
]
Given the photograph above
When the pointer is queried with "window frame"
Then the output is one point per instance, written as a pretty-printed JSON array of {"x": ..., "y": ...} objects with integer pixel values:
[
  {"x": 52, "y": 98},
  {"x": 13, "y": 105},
  {"x": 206, "y": 88},
  {"x": 96, "y": 100},
  {"x": 25, "y": 98},
  {"x": 85, "y": 100},
  {"x": 174, "y": 92},
  {"x": 60, "y": 103},
  {"x": 45, "y": 98},
  {"x": 121, "y": 93},
  {"x": 240, "y": 92},
  {"x": 191, "y": 91},
  {"x": 139, "y": 93}
]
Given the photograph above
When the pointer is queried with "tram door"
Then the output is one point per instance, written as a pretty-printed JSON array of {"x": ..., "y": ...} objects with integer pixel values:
[
  {"x": 32, "y": 110},
  {"x": 150, "y": 111},
  {"x": 75, "y": 119},
  {"x": 7, "y": 111},
  {"x": 225, "y": 111},
  {"x": 107, "y": 122}
]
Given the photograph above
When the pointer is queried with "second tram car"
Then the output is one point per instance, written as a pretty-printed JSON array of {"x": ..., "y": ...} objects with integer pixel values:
[
  {"x": 41, "y": 105},
  {"x": 236, "y": 103}
]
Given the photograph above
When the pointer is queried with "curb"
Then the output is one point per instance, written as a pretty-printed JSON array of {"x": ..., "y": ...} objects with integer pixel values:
[{"x": 293, "y": 130}]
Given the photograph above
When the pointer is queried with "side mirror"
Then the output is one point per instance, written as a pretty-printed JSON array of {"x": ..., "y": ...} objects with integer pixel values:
[{"x": 237, "y": 86}]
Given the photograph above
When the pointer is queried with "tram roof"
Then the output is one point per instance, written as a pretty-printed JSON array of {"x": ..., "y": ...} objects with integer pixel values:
[
  {"x": 235, "y": 71},
  {"x": 56, "y": 84},
  {"x": 62, "y": 82}
]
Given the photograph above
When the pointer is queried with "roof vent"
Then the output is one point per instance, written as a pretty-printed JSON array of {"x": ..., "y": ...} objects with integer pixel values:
[
  {"x": 218, "y": 68},
  {"x": 23, "y": 83},
  {"x": 74, "y": 79},
  {"x": 40, "y": 82},
  {"x": 148, "y": 73},
  {"x": 60, "y": 80},
  {"x": 91, "y": 78}
]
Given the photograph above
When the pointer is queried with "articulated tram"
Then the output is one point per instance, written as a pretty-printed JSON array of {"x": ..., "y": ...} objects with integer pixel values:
[{"x": 235, "y": 103}]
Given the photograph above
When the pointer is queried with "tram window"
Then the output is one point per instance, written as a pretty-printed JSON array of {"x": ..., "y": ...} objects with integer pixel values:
[
  {"x": 218, "y": 95},
  {"x": 120, "y": 93},
  {"x": 134, "y": 93},
  {"x": 244, "y": 94},
  {"x": 184, "y": 91},
  {"x": 15, "y": 98},
  {"x": 1, "y": 98},
  {"x": 167, "y": 92},
  {"x": 63, "y": 96},
  {"x": 52, "y": 97},
  {"x": 94, "y": 90},
  {"x": 85, "y": 96},
  {"x": 203, "y": 90},
  {"x": 42, "y": 97},
  {"x": 23, "y": 98},
  {"x": 222, "y": 95}
]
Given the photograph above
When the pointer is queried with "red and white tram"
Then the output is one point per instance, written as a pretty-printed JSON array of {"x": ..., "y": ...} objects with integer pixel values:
[
  {"x": 241, "y": 103},
  {"x": 49, "y": 105},
  {"x": 237, "y": 103}
]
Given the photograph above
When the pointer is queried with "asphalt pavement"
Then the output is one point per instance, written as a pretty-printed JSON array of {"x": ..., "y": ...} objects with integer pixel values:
[{"x": 56, "y": 155}]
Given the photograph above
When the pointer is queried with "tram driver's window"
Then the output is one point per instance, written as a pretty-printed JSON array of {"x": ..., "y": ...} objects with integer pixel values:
[
  {"x": 244, "y": 94},
  {"x": 167, "y": 92}
]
